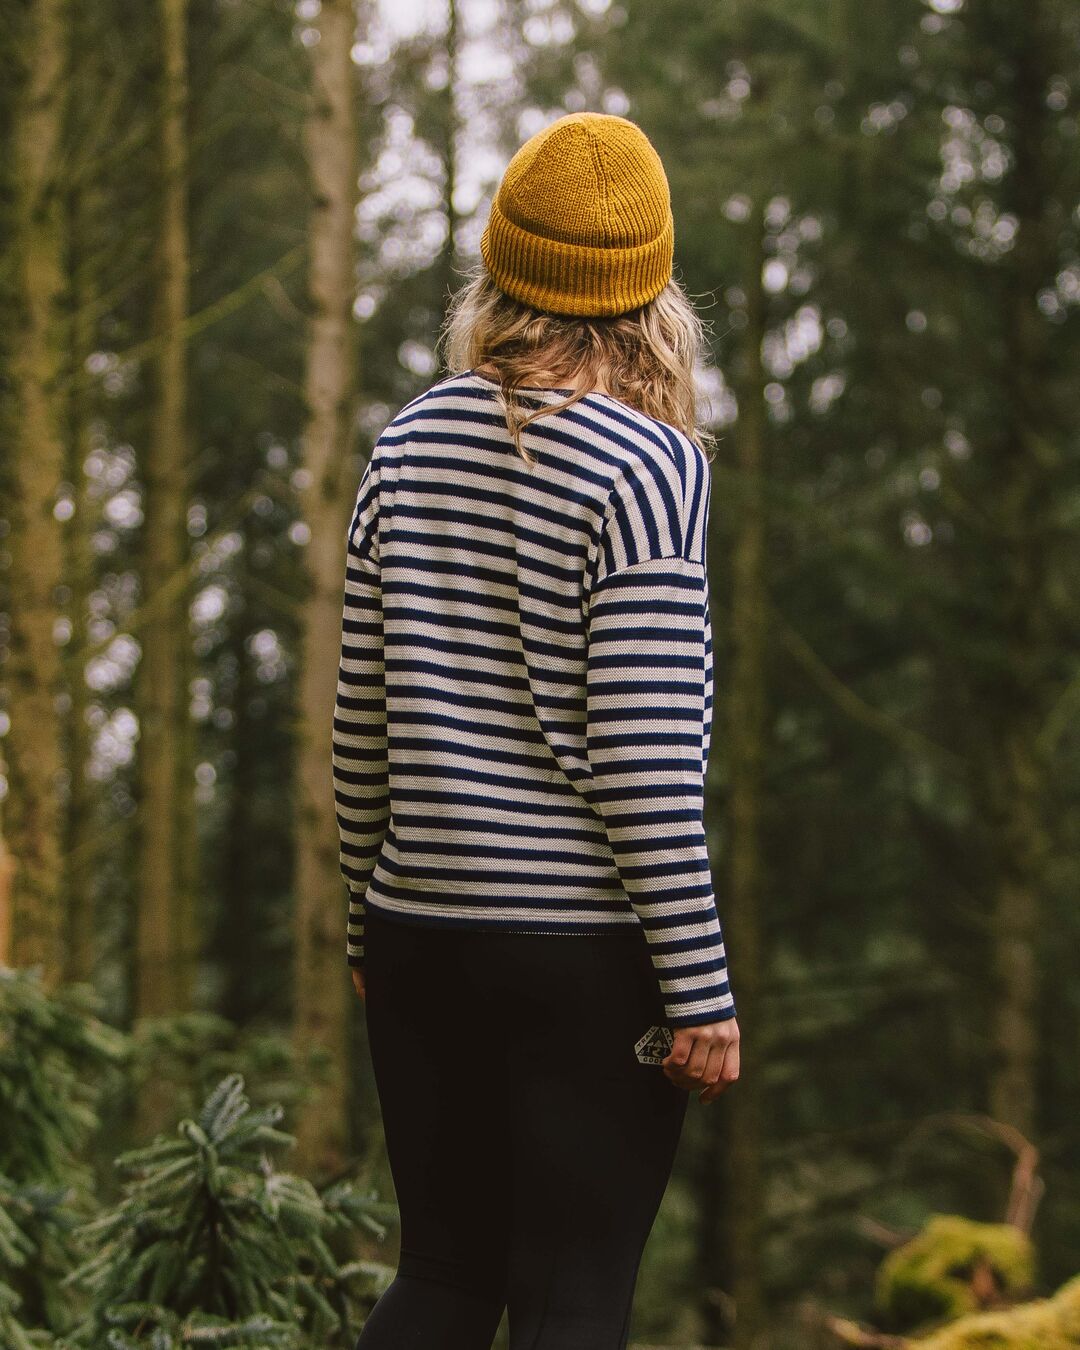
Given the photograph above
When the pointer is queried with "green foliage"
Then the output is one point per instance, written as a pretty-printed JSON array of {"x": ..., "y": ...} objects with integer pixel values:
[
  {"x": 139, "y": 1325},
  {"x": 36, "y": 1250},
  {"x": 16, "y": 1249},
  {"x": 1043, "y": 1324},
  {"x": 193, "y": 1051},
  {"x": 210, "y": 1244},
  {"x": 54, "y": 1056},
  {"x": 930, "y": 1277},
  {"x": 54, "y": 1051}
]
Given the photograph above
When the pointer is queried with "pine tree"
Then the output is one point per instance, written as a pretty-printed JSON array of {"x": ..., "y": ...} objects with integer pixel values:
[{"x": 210, "y": 1243}]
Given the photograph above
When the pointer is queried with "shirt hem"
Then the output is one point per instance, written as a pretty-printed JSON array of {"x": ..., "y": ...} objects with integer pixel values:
[{"x": 403, "y": 912}]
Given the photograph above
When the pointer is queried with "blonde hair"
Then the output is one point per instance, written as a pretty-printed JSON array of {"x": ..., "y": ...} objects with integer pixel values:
[{"x": 645, "y": 358}]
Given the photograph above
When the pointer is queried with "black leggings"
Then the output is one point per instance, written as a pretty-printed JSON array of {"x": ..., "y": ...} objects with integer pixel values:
[{"x": 528, "y": 1145}]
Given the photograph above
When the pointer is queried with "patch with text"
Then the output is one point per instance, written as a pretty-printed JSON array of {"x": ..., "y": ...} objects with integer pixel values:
[{"x": 654, "y": 1046}]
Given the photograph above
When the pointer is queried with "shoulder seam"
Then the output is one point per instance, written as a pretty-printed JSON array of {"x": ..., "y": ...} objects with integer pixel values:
[{"x": 649, "y": 562}]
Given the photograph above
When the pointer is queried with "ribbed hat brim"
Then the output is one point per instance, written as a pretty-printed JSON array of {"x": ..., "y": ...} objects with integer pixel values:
[{"x": 575, "y": 279}]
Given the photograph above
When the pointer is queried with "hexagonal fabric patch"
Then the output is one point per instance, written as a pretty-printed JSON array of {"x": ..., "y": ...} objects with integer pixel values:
[{"x": 654, "y": 1046}]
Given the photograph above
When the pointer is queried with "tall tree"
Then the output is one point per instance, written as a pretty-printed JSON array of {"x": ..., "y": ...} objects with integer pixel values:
[
  {"x": 747, "y": 731},
  {"x": 449, "y": 124},
  {"x": 80, "y": 845},
  {"x": 33, "y": 748},
  {"x": 249, "y": 202},
  {"x": 321, "y": 985},
  {"x": 165, "y": 841},
  {"x": 85, "y": 200},
  {"x": 1025, "y": 473},
  {"x": 1031, "y": 456}
]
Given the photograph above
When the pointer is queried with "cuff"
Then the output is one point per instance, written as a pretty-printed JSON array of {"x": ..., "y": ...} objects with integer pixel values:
[{"x": 699, "y": 1019}]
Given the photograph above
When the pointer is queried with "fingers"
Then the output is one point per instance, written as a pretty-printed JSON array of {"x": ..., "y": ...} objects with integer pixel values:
[
  {"x": 358, "y": 983},
  {"x": 729, "y": 1073},
  {"x": 681, "y": 1047},
  {"x": 704, "y": 1057},
  {"x": 714, "y": 1066},
  {"x": 699, "y": 1058},
  {"x": 677, "y": 1063}
]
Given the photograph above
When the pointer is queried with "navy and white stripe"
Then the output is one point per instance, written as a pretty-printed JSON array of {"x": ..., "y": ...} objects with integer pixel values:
[{"x": 525, "y": 690}]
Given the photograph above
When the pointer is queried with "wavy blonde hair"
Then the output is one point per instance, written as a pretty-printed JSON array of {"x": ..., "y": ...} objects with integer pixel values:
[{"x": 645, "y": 358}]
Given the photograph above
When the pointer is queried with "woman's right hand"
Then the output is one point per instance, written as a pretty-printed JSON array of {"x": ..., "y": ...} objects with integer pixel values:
[
  {"x": 358, "y": 983},
  {"x": 705, "y": 1057}
]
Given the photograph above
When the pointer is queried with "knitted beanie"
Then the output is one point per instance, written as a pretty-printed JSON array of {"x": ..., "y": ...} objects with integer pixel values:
[{"x": 581, "y": 223}]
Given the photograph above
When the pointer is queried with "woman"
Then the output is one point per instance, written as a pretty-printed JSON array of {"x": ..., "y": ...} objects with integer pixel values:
[{"x": 520, "y": 740}]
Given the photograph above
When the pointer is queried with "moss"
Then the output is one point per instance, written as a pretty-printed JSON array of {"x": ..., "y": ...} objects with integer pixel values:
[
  {"x": 1067, "y": 1300},
  {"x": 930, "y": 1278},
  {"x": 1044, "y": 1324},
  {"x": 1032, "y": 1326}
]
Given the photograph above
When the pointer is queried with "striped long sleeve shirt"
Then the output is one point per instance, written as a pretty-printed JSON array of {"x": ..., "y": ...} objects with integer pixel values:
[{"x": 525, "y": 690}]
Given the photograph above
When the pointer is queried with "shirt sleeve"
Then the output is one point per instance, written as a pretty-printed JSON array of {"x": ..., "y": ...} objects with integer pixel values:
[
  {"x": 706, "y": 737},
  {"x": 361, "y": 771},
  {"x": 649, "y": 710}
]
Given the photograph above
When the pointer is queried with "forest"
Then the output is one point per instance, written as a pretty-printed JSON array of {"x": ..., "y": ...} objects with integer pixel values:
[{"x": 230, "y": 232}]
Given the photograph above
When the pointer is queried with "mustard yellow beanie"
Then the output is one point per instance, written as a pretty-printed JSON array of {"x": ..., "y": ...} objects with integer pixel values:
[{"x": 581, "y": 223}]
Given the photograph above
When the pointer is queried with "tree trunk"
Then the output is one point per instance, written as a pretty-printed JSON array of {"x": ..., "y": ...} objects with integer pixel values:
[
  {"x": 322, "y": 989},
  {"x": 161, "y": 951},
  {"x": 449, "y": 127},
  {"x": 1023, "y": 504},
  {"x": 746, "y": 752},
  {"x": 81, "y": 855},
  {"x": 233, "y": 946},
  {"x": 33, "y": 748}
]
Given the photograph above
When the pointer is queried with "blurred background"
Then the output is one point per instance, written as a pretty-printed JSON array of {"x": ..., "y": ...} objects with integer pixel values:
[{"x": 231, "y": 228}]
